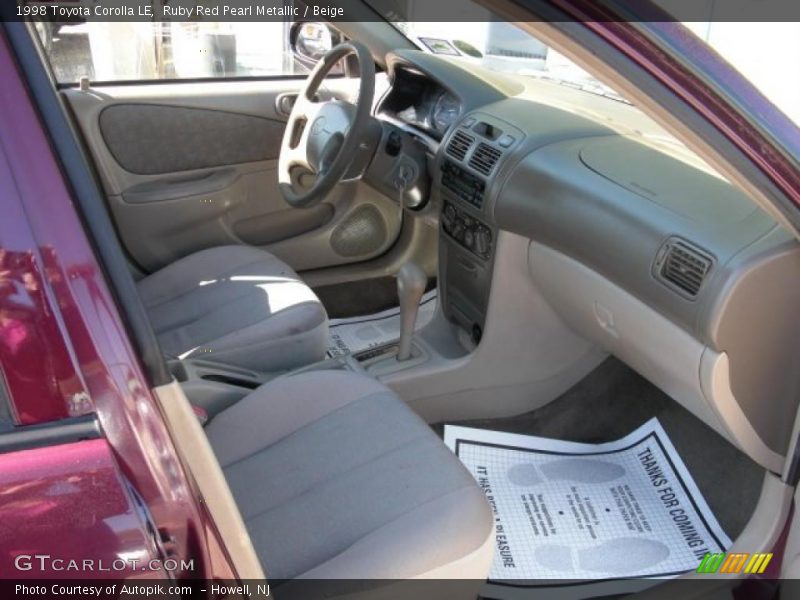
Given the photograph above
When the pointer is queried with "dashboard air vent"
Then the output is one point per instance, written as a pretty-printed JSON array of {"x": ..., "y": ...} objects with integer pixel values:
[
  {"x": 460, "y": 144},
  {"x": 484, "y": 158},
  {"x": 683, "y": 266}
]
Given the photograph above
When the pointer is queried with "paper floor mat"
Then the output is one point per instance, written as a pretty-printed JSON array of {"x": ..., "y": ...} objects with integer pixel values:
[
  {"x": 348, "y": 336},
  {"x": 572, "y": 511}
]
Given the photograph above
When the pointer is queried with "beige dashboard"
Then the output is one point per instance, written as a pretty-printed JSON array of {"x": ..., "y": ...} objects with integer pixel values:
[{"x": 638, "y": 245}]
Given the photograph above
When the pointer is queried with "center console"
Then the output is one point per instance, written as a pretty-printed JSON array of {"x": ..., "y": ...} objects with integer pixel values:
[{"x": 469, "y": 176}]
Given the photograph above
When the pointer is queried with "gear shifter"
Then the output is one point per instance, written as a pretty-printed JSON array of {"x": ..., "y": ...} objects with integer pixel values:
[{"x": 411, "y": 282}]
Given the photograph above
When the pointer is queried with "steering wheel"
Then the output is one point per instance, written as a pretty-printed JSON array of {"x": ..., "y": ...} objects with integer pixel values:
[{"x": 321, "y": 138}]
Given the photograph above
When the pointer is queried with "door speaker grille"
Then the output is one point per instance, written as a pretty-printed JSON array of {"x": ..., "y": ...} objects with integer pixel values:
[{"x": 362, "y": 232}]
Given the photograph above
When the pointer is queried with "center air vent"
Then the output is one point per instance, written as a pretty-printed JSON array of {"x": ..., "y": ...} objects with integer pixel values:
[
  {"x": 460, "y": 144},
  {"x": 682, "y": 266},
  {"x": 484, "y": 158}
]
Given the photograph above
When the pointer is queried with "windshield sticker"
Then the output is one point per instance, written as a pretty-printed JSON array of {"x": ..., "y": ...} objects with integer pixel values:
[{"x": 438, "y": 46}]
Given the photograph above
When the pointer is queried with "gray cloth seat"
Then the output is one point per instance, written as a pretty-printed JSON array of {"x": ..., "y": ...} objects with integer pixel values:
[
  {"x": 336, "y": 478},
  {"x": 237, "y": 305}
]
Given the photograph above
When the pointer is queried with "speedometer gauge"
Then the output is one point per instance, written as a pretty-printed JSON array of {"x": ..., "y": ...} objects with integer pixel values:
[{"x": 445, "y": 112}]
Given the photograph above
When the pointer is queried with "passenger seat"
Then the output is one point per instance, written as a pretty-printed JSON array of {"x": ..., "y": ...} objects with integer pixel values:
[
  {"x": 237, "y": 305},
  {"x": 336, "y": 478}
]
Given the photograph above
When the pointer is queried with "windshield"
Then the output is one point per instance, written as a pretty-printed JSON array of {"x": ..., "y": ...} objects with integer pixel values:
[
  {"x": 758, "y": 51},
  {"x": 481, "y": 37}
]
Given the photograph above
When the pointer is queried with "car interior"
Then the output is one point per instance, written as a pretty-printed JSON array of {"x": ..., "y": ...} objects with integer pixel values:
[{"x": 590, "y": 270}]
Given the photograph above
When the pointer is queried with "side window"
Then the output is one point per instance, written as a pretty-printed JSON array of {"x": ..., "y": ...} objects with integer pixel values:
[{"x": 111, "y": 52}]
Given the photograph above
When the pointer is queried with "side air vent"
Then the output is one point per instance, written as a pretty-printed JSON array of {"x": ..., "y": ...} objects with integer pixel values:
[
  {"x": 460, "y": 144},
  {"x": 484, "y": 158},
  {"x": 682, "y": 266}
]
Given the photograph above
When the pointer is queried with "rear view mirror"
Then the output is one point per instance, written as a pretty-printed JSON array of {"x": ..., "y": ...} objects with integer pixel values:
[{"x": 311, "y": 41}]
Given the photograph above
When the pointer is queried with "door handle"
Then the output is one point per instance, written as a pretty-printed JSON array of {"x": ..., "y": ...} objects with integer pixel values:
[{"x": 284, "y": 103}]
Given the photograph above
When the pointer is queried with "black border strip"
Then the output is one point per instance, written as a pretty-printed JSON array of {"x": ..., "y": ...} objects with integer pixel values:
[
  {"x": 459, "y": 442},
  {"x": 443, "y": 11},
  {"x": 54, "y": 433}
]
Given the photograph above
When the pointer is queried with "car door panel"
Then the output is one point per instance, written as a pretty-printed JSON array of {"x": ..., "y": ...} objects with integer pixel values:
[
  {"x": 187, "y": 166},
  {"x": 215, "y": 137}
]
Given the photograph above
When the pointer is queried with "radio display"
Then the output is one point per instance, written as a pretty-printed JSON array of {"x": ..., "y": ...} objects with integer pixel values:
[{"x": 463, "y": 184}]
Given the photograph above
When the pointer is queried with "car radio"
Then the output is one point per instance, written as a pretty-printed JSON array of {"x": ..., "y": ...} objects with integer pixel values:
[{"x": 463, "y": 184}]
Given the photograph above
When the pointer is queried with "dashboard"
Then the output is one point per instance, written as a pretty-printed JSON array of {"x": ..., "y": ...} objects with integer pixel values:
[
  {"x": 417, "y": 100},
  {"x": 636, "y": 244}
]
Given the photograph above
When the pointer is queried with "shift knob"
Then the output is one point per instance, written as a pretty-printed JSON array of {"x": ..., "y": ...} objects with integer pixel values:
[{"x": 411, "y": 282}]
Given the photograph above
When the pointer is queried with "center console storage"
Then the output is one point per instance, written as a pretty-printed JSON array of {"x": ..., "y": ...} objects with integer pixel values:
[
  {"x": 465, "y": 264},
  {"x": 468, "y": 175}
]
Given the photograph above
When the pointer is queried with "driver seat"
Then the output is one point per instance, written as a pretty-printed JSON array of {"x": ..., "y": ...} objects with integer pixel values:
[{"x": 236, "y": 305}]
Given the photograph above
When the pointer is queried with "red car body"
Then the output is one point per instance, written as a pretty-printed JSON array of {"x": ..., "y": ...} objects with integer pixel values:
[
  {"x": 116, "y": 490},
  {"x": 65, "y": 354}
]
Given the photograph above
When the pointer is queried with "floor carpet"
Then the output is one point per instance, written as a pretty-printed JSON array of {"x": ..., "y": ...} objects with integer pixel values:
[
  {"x": 614, "y": 400},
  {"x": 357, "y": 298}
]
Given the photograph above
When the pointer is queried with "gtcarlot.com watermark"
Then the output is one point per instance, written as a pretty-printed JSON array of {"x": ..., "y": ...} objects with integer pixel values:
[{"x": 47, "y": 563}]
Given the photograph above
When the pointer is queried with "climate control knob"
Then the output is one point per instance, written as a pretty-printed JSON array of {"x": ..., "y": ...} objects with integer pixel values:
[
  {"x": 448, "y": 216},
  {"x": 469, "y": 239},
  {"x": 482, "y": 241},
  {"x": 467, "y": 230}
]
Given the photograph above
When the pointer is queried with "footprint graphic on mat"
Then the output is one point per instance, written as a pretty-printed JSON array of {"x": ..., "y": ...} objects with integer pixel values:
[
  {"x": 579, "y": 470},
  {"x": 618, "y": 556}
]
